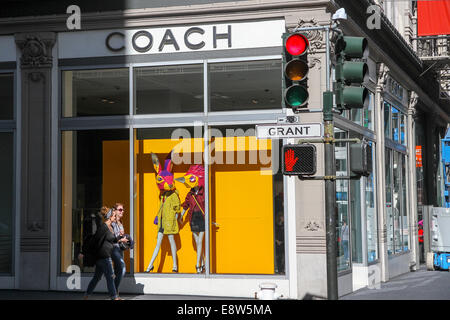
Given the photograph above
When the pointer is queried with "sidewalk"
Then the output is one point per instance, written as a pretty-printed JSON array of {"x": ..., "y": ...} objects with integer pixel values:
[
  {"x": 65, "y": 295},
  {"x": 418, "y": 285}
]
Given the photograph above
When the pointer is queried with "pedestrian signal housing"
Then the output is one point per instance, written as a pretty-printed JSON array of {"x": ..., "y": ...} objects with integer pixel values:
[{"x": 299, "y": 159}]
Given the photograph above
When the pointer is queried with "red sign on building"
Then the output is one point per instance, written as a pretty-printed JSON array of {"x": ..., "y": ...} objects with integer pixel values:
[{"x": 418, "y": 156}]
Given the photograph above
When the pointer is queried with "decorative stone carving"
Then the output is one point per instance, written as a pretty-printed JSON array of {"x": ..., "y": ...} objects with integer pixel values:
[
  {"x": 413, "y": 99},
  {"x": 312, "y": 62},
  {"x": 315, "y": 37},
  {"x": 35, "y": 226},
  {"x": 312, "y": 226},
  {"x": 36, "y": 49},
  {"x": 382, "y": 72}
]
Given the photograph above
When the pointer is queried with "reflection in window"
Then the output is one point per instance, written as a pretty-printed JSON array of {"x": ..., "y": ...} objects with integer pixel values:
[
  {"x": 396, "y": 202},
  {"x": 169, "y": 89},
  {"x": 403, "y": 129},
  {"x": 97, "y": 92},
  {"x": 342, "y": 192},
  {"x": 6, "y": 201},
  {"x": 387, "y": 127},
  {"x": 389, "y": 208},
  {"x": 405, "y": 224},
  {"x": 372, "y": 227},
  {"x": 395, "y": 124},
  {"x": 6, "y": 96},
  {"x": 95, "y": 172},
  {"x": 245, "y": 85},
  {"x": 368, "y": 112}
]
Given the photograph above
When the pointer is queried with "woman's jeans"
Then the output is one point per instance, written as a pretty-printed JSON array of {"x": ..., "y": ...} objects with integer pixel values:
[
  {"x": 119, "y": 265},
  {"x": 103, "y": 266}
]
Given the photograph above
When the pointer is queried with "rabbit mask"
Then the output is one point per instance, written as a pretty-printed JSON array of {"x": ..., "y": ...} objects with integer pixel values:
[{"x": 164, "y": 176}]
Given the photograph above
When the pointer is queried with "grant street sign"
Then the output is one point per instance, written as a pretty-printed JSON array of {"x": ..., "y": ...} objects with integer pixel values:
[{"x": 305, "y": 130}]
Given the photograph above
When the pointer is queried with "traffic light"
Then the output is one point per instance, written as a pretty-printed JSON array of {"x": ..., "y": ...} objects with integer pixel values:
[
  {"x": 361, "y": 158},
  {"x": 351, "y": 74},
  {"x": 295, "y": 71},
  {"x": 299, "y": 159}
]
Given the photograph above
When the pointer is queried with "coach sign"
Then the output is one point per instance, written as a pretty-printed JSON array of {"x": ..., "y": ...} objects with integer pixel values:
[{"x": 192, "y": 38}]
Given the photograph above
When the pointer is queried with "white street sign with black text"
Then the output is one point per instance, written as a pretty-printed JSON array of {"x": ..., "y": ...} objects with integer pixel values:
[{"x": 305, "y": 130}]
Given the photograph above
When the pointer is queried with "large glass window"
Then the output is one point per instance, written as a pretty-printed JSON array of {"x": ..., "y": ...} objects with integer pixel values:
[
  {"x": 95, "y": 173},
  {"x": 6, "y": 96},
  {"x": 169, "y": 89},
  {"x": 6, "y": 200},
  {"x": 246, "y": 193},
  {"x": 387, "y": 120},
  {"x": 405, "y": 224},
  {"x": 395, "y": 124},
  {"x": 389, "y": 208},
  {"x": 372, "y": 227},
  {"x": 343, "y": 231},
  {"x": 245, "y": 85},
  {"x": 97, "y": 92},
  {"x": 368, "y": 112},
  {"x": 246, "y": 207},
  {"x": 396, "y": 202}
]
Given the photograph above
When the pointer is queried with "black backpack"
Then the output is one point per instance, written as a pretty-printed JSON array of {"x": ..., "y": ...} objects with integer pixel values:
[{"x": 89, "y": 250}]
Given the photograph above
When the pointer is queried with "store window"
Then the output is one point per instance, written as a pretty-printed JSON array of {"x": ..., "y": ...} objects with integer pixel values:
[
  {"x": 95, "y": 173},
  {"x": 169, "y": 89},
  {"x": 387, "y": 120},
  {"x": 403, "y": 129},
  {"x": 371, "y": 213},
  {"x": 247, "y": 212},
  {"x": 368, "y": 112},
  {"x": 184, "y": 147},
  {"x": 343, "y": 230},
  {"x": 244, "y": 85},
  {"x": 6, "y": 201},
  {"x": 7, "y": 96},
  {"x": 405, "y": 224},
  {"x": 395, "y": 124},
  {"x": 396, "y": 202},
  {"x": 389, "y": 208},
  {"x": 99, "y": 92}
]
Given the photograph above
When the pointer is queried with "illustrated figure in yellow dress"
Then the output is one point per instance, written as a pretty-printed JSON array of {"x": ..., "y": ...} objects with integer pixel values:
[
  {"x": 194, "y": 204},
  {"x": 169, "y": 208}
]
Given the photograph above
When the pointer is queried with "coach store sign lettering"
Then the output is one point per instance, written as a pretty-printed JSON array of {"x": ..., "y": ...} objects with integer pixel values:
[
  {"x": 143, "y": 41},
  {"x": 170, "y": 39}
]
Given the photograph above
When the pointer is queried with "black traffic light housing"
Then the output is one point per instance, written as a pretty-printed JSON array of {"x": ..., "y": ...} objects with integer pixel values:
[
  {"x": 295, "y": 71},
  {"x": 299, "y": 159}
]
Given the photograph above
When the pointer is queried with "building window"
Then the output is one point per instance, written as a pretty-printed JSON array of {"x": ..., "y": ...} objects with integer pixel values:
[
  {"x": 396, "y": 202},
  {"x": 387, "y": 120},
  {"x": 6, "y": 200},
  {"x": 101, "y": 92},
  {"x": 344, "y": 226},
  {"x": 371, "y": 213},
  {"x": 7, "y": 96},
  {"x": 245, "y": 85},
  {"x": 368, "y": 112},
  {"x": 95, "y": 173},
  {"x": 169, "y": 89},
  {"x": 395, "y": 124}
]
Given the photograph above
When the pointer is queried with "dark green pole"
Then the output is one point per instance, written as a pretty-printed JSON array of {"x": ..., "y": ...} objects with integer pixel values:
[{"x": 330, "y": 196}]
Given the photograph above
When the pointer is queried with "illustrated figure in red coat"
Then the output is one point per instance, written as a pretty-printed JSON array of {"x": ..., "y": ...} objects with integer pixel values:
[{"x": 194, "y": 205}]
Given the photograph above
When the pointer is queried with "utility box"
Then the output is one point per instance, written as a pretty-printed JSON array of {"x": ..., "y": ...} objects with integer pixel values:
[{"x": 439, "y": 257}]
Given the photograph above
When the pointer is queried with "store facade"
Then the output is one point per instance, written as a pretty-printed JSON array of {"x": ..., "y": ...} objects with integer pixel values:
[{"x": 90, "y": 106}]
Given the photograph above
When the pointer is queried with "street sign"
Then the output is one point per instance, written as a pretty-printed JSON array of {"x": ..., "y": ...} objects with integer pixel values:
[{"x": 305, "y": 130}]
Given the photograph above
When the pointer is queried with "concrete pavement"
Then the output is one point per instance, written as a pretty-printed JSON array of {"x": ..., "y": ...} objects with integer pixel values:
[{"x": 418, "y": 285}]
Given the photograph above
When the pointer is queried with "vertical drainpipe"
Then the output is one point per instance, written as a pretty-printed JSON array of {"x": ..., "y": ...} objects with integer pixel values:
[
  {"x": 382, "y": 231},
  {"x": 412, "y": 185}
]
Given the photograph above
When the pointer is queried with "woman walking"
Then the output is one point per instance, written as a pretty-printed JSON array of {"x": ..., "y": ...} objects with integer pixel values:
[
  {"x": 105, "y": 239},
  {"x": 117, "y": 252}
]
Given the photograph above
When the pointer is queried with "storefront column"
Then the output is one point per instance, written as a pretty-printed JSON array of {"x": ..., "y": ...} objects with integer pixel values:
[
  {"x": 412, "y": 185},
  {"x": 35, "y": 147},
  {"x": 383, "y": 71}
]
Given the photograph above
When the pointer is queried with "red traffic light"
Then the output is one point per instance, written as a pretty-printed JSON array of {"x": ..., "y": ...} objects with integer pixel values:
[{"x": 296, "y": 44}]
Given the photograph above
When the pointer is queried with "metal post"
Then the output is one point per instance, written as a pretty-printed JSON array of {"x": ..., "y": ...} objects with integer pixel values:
[{"x": 330, "y": 170}]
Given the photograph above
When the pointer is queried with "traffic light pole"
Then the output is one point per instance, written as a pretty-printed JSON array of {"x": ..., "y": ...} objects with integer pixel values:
[{"x": 330, "y": 172}]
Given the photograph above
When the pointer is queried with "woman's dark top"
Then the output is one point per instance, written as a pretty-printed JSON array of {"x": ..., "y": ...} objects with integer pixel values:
[{"x": 106, "y": 248}]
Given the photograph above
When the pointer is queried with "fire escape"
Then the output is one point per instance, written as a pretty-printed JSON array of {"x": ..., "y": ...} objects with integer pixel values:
[{"x": 434, "y": 51}]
